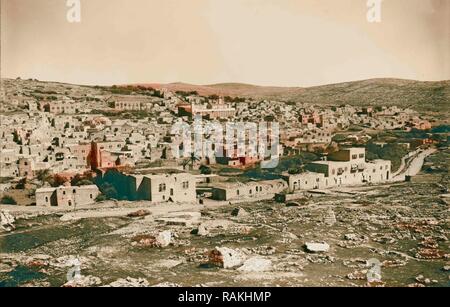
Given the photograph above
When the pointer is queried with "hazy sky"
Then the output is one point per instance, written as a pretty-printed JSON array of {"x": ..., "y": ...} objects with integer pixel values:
[{"x": 266, "y": 42}]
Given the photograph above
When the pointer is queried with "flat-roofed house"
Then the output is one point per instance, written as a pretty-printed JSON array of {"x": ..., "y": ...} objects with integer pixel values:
[
  {"x": 66, "y": 196},
  {"x": 258, "y": 189},
  {"x": 345, "y": 167},
  {"x": 156, "y": 186}
]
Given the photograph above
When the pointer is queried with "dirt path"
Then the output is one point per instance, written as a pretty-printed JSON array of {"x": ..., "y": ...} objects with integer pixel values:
[{"x": 413, "y": 166}]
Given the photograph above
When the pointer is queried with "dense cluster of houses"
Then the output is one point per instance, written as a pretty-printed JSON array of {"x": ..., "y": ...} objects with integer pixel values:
[{"x": 71, "y": 131}]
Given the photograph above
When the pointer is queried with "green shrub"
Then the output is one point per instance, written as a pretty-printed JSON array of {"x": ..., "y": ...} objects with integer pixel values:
[
  {"x": 8, "y": 200},
  {"x": 101, "y": 198}
]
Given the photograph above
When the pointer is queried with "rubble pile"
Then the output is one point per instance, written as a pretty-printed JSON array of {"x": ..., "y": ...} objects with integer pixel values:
[
  {"x": 130, "y": 283},
  {"x": 213, "y": 227},
  {"x": 352, "y": 240},
  {"x": 139, "y": 213},
  {"x": 163, "y": 239},
  {"x": 6, "y": 221},
  {"x": 83, "y": 282},
  {"x": 144, "y": 241}
]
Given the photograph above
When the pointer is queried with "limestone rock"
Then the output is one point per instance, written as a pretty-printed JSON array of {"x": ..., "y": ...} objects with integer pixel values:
[
  {"x": 202, "y": 230},
  {"x": 330, "y": 218},
  {"x": 213, "y": 227},
  {"x": 256, "y": 264},
  {"x": 164, "y": 239},
  {"x": 226, "y": 258},
  {"x": 130, "y": 282},
  {"x": 6, "y": 221},
  {"x": 166, "y": 285},
  {"x": 83, "y": 281},
  {"x": 239, "y": 212},
  {"x": 317, "y": 247}
]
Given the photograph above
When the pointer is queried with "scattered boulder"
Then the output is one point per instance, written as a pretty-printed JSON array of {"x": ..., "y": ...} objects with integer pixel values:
[
  {"x": 317, "y": 247},
  {"x": 168, "y": 263},
  {"x": 6, "y": 268},
  {"x": 256, "y": 264},
  {"x": 181, "y": 219},
  {"x": 130, "y": 282},
  {"x": 6, "y": 221},
  {"x": 330, "y": 218},
  {"x": 289, "y": 235},
  {"x": 416, "y": 285},
  {"x": 429, "y": 253},
  {"x": 166, "y": 285},
  {"x": 82, "y": 282},
  {"x": 139, "y": 213},
  {"x": 351, "y": 237},
  {"x": 213, "y": 226},
  {"x": 376, "y": 284},
  {"x": 164, "y": 239},
  {"x": 202, "y": 230},
  {"x": 226, "y": 258},
  {"x": 421, "y": 279},
  {"x": 357, "y": 275},
  {"x": 144, "y": 240},
  {"x": 293, "y": 204},
  {"x": 239, "y": 212}
]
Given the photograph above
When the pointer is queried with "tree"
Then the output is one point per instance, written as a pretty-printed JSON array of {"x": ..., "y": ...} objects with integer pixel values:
[
  {"x": 269, "y": 118},
  {"x": 81, "y": 180},
  {"x": 205, "y": 170},
  {"x": 21, "y": 184},
  {"x": 101, "y": 198},
  {"x": 45, "y": 176},
  {"x": 109, "y": 191},
  {"x": 294, "y": 171},
  {"x": 8, "y": 200},
  {"x": 16, "y": 138},
  {"x": 58, "y": 181},
  {"x": 191, "y": 160}
]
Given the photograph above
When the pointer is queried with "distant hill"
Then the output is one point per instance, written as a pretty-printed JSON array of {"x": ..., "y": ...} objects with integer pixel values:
[
  {"x": 226, "y": 89},
  {"x": 417, "y": 94},
  {"x": 420, "y": 95},
  {"x": 375, "y": 92}
]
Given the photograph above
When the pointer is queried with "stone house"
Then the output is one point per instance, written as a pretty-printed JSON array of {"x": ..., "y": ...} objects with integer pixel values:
[
  {"x": 154, "y": 185},
  {"x": 345, "y": 167},
  {"x": 66, "y": 196},
  {"x": 257, "y": 189}
]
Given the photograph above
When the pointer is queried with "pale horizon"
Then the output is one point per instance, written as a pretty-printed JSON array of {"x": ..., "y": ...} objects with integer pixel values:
[{"x": 204, "y": 42}]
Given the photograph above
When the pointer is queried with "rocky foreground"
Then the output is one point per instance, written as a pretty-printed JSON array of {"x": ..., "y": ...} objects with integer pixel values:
[{"x": 320, "y": 240}]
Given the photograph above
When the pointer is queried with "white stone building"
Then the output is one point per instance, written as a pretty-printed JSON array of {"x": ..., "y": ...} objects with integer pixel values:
[
  {"x": 66, "y": 196},
  {"x": 344, "y": 168}
]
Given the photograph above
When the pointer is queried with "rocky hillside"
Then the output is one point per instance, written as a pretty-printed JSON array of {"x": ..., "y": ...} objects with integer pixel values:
[{"x": 417, "y": 94}]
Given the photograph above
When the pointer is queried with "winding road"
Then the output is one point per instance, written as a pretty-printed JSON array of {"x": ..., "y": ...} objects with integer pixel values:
[{"x": 412, "y": 165}]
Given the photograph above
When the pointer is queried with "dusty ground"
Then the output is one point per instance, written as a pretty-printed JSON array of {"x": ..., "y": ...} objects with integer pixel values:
[{"x": 403, "y": 225}]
